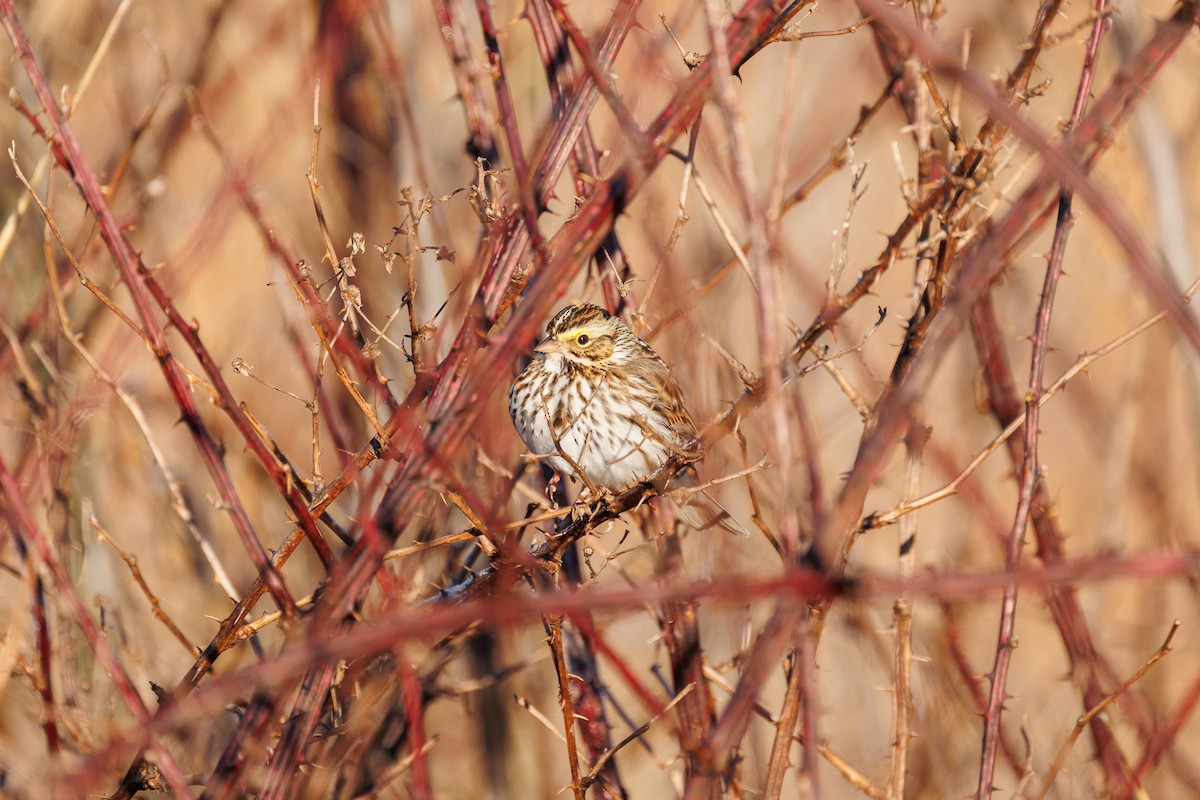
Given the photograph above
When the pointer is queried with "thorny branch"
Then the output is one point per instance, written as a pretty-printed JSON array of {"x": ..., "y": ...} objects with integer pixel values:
[{"x": 432, "y": 549}]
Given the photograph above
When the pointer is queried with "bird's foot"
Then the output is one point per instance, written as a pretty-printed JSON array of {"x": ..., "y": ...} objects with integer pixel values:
[{"x": 594, "y": 500}]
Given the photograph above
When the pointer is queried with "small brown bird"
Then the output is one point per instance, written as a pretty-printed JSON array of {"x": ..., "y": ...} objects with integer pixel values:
[{"x": 599, "y": 404}]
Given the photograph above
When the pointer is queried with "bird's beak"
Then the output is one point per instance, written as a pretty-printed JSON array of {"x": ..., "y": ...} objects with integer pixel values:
[{"x": 548, "y": 346}]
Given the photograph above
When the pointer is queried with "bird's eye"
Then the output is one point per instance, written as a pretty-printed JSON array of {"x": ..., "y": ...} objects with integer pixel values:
[{"x": 583, "y": 338}]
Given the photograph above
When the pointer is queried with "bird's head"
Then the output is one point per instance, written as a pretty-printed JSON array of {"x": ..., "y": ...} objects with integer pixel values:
[{"x": 584, "y": 334}]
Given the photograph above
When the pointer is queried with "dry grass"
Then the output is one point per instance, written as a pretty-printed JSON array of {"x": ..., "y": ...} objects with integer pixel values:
[{"x": 265, "y": 528}]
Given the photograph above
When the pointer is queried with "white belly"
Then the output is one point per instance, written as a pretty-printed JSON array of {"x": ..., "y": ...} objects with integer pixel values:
[{"x": 613, "y": 448}]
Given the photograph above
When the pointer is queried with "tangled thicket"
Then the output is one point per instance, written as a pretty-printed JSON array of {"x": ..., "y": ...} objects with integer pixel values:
[{"x": 922, "y": 270}]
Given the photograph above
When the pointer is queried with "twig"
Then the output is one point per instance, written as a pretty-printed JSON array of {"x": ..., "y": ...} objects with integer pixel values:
[
  {"x": 554, "y": 626},
  {"x": 681, "y": 216},
  {"x": 854, "y": 777},
  {"x": 764, "y": 267},
  {"x": 797, "y": 584},
  {"x": 1163, "y": 741},
  {"x": 1081, "y": 365},
  {"x": 789, "y": 713},
  {"x": 679, "y": 622},
  {"x": 1029, "y": 469},
  {"x": 178, "y": 502},
  {"x": 134, "y": 572},
  {"x": 9, "y": 230},
  {"x": 902, "y": 619},
  {"x": 537, "y": 714},
  {"x": 23, "y": 525},
  {"x": 723, "y": 226},
  {"x": 143, "y": 290},
  {"x": 1093, "y": 712},
  {"x": 314, "y": 190},
  {"x": 603, "y": 761}
]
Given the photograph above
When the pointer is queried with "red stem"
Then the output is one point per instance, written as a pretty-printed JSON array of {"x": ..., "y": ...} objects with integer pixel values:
[
  {"x": 1029, "y": 470},
  {"x": 134, "y": 274}
]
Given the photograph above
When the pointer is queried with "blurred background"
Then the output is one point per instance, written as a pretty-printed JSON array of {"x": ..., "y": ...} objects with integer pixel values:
[{"x": 200, "y": 118}]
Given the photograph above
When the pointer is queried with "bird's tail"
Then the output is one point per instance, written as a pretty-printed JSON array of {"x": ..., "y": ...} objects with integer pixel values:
[{"x": 699, "y": 509}]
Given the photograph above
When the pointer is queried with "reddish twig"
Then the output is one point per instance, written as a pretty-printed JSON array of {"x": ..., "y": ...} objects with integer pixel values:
[
  {"x": 137, "y": 280},
  {"x": 792, "y": 588},
  {"x": 554, "y": 623},
  {"x": 32, "y": 536},
  {"x": 1028, "y": 473}
]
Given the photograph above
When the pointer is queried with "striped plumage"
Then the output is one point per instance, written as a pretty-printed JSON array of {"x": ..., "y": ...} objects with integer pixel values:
[{"x": 599, "y": 398}]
